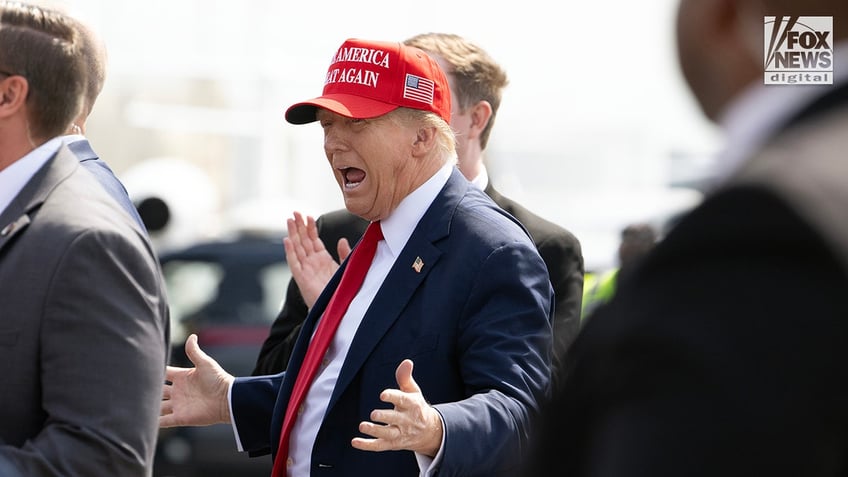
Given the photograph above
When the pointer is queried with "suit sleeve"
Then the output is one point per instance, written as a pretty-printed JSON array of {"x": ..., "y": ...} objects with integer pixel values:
[
  {"x": 504, "y": 358},
  {"x": 103, "y": 350},
  {"x": 252, "y": 403}
]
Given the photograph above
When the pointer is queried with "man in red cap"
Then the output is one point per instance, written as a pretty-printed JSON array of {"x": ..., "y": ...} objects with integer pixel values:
[
  {"x": 477, "y": 83},
  {"x": 456, "y": 287}
]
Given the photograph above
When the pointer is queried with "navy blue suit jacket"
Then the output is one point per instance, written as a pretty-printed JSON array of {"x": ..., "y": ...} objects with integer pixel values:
[{"x": 476, "y": 320}]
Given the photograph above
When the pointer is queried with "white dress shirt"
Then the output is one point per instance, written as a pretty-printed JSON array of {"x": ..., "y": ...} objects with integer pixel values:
[
  {"x": 755, "y": 115},
  {"x": 14, "y": 177},
  {"x": 397, "y": 228},
  {"x": 482, "y": 179}
]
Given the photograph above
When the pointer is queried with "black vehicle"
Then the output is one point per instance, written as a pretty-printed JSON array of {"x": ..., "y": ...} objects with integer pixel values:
[{"x": 228, "y": 292}]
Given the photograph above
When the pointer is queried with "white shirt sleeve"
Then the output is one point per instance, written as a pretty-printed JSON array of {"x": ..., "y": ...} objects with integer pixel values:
[
  {"x": 427, "y": 465},
  {"x": 232, "y": 418}
]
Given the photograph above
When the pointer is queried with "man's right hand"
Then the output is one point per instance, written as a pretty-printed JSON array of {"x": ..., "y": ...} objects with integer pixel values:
[{"x": 195, "y": 396}]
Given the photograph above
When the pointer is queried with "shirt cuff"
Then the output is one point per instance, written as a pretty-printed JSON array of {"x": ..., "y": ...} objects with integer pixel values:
[
  {"x": 233, "y": 417},
  {"x": 429, "y": 465}
]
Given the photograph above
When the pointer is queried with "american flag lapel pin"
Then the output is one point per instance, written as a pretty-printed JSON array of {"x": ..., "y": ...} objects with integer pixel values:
[
  {"x": 418, "y": 264},
  {"x": 19, "y": 222}
]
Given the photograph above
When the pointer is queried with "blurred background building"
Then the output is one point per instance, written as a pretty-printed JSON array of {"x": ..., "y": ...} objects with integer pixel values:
[{"x": 596, "y": 129}]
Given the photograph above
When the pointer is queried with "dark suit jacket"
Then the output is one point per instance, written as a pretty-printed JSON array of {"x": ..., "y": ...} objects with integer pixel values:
[
  {"x": 84, "y": 330},
  {"x": 558, "y": 247},
  {"x": 726, "y": 351},
  {"x": 476, "y": 322},
  {"x": 563, "y": 256}
]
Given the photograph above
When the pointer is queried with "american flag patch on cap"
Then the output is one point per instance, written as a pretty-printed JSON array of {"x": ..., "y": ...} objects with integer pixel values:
[{"x": 418, "y": 89}]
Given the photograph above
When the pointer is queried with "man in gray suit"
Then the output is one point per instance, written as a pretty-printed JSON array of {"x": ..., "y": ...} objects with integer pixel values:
[{"x": 83, "y": 320}]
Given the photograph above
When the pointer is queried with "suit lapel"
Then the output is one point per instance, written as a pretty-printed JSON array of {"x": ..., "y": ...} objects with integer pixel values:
[
  {"x": 387, "y": 304},
  {"x": 21, "y": 211},
  {"x": 421, "y": 252}
]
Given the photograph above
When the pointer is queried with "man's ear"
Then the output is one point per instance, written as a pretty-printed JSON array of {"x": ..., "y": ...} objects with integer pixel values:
[
  {"x": 425, "y": 141},
  {"x": 739, "y": 25},
  {"x": 481, "y": 112},
  {"x": 13, "y": 94},
  {"x": 749, "y": 26}
]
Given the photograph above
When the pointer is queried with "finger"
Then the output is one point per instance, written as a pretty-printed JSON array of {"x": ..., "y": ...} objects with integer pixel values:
[
  {"x": 372, "y": 445},
  {"x": 193, "y": 351},
  {"x": 315, "y": 244},
  {"x": 296, "y": 249},
  {"x": 397, "y": 398},
  {"x": 298, "y": 232},
  {"x": 312, "y": 230},
  {"x": 388, "y": 417},
  {"x": 343, "y": 248},
  {"x": 168, "y": 420},
  {"x": 297, "y": 217},
  {"x": 291, "y": 255},
  {"x": 292, "y": 238},
  {"x": 307, "y": 232},
  {"x": 379, "y": 431},
  {"x": 382, "y": 438},
  {"x": 403, "y": 375},
  {"x": 166, "y": 408},
  {"x": 172, "y": 372}
]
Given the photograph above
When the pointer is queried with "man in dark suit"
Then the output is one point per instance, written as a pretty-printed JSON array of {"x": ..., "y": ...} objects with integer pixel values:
[
  {"x": 476, "y": 84},
  {"x": 725, "y": 352},
  {"x": 84, "y": 329},
  {"x": 456, "y": 288}
]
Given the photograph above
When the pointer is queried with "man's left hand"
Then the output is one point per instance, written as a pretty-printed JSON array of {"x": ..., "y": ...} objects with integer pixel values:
[{"x": 412, "y": 424}]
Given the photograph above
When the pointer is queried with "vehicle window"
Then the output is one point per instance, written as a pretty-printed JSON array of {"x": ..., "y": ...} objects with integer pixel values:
[
  {"x": 203, "y": 294},
  {"x": 190, "y": 285}
]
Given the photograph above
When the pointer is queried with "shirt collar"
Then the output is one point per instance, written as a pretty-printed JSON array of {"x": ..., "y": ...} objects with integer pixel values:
[
  {"x": 16, "y": 176},
  {"x": 482, "y": 179},
  {"x": 399, "y": 225},
  {"x": 69, "y": 138},
  {"x": 759, "y": 111}
]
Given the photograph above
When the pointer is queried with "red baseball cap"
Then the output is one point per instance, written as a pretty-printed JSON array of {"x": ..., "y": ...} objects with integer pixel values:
[{"x": 367, "y": 79}]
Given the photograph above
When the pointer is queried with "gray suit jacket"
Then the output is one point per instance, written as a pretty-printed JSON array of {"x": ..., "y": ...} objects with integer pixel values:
[
  {"x": 83, "y": 330},
  {"x": 104, "y": 175}
]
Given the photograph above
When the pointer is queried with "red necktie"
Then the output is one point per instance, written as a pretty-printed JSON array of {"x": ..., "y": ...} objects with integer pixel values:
[{"x": 352, "y": 277}]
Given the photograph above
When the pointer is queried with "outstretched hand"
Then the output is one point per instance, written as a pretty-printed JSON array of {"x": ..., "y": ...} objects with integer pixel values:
[
  {"x": 195, "y": 396},
  {"x": 311, "y": 264},
  {"x": 412, "y": 424}
]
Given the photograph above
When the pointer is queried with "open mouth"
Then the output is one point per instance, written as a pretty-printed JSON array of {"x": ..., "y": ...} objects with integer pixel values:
[{"x": 352, "y": 177}]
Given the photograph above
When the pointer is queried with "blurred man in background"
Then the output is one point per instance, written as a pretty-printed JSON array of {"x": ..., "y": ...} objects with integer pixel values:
[
  {"x": 726, "y": 351},
  {"x": 599, "y": 287}
]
